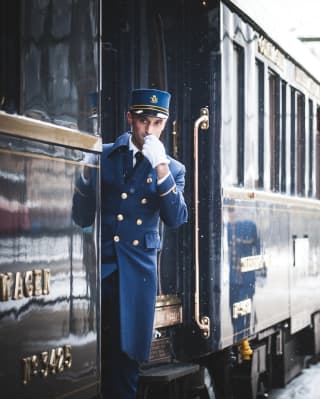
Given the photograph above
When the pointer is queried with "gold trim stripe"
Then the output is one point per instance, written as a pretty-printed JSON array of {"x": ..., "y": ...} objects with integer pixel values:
[
  {"x": 22, "y": 126},
  {"x": 256, "y": 195},
  {"x": 169, "y": 191},
  {"x": 148, "y": 106},
  {"x": 294, "y": 210}
]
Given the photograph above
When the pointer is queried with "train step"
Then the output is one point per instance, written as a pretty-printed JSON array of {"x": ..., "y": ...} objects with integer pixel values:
[
  {"x": 168, "y": 372},
  {"x": 169, "y": 380}
]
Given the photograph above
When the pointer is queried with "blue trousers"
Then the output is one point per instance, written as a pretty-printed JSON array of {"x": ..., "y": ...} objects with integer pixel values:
[{"x": 119, "y": 373}]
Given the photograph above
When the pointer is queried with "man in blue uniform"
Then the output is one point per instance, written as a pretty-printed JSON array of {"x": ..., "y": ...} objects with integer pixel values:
[{"x": 140, "y": 184}]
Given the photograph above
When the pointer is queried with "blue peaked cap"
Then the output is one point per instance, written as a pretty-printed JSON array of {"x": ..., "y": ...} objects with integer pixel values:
[{"x": 150, "y": 102}]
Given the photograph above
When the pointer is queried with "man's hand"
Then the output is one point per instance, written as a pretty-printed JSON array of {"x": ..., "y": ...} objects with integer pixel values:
[{"x": 154, "y": 150}]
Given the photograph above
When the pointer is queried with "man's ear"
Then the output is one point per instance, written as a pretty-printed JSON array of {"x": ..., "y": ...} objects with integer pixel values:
[
  {"x": 165, "y": 124},
  {"x": 129, "y": 118}
]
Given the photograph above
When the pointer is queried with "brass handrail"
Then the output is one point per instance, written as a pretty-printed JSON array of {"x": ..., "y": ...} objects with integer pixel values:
[{"x": 203, "y": 123}]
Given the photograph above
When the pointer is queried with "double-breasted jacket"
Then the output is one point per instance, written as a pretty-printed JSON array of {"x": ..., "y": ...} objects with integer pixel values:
[{"x": 132, "y": 204}]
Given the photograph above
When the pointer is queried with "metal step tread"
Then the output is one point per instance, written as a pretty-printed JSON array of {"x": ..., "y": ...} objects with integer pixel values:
[{"x": 168, "y": 372}]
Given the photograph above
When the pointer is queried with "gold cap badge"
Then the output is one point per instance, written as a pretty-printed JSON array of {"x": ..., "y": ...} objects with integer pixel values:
[{"x": 154, "y": 99}]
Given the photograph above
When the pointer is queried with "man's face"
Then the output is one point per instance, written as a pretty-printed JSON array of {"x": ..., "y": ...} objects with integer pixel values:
[{"x": 143, "y": 125}]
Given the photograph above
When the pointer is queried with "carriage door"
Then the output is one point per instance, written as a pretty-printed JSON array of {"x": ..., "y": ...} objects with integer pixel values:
[
  {"x": 135, "y": 54},
  {"x": 188, "y": 261},
  {"x": 171, "y": 45}
]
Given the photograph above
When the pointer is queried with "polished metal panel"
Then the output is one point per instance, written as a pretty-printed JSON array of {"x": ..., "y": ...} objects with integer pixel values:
[
  {"x": 168, "y": 311},
  {"x": 49, "y": 281}
]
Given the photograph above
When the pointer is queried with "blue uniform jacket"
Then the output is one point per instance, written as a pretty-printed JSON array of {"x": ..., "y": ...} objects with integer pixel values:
[{"x": 131, "y": 205}]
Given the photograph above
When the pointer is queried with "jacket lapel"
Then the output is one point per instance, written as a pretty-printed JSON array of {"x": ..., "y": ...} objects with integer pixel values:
[
  {"x": 124, "y": 164},
  {"x": 127, "y": 164},
  {"x": 141, "y": 171}
]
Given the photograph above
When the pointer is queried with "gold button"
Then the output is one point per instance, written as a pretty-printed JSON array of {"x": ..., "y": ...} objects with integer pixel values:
[
  {"x": 124, "y": 195},
  {"x": 149, "y": 180},
  {"x": 139, "y": 222},
  {"x": 116, "y": 238},
  {"x": 144, "y": 201},
  {"x": 135, "y": 243},
  {"x": 120, "y": 217}
]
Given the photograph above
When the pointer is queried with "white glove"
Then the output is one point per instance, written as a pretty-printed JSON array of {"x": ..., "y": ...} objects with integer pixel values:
[
  {"x": 86, "y": 172},
  {"x": 154, "y": 150}
]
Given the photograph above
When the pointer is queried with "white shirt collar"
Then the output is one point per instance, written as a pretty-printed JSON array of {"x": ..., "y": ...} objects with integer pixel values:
[{"x": 133, "y": 147}]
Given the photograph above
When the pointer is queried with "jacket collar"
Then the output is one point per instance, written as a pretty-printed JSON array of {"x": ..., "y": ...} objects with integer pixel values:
[{"x": 121, "y": 142}]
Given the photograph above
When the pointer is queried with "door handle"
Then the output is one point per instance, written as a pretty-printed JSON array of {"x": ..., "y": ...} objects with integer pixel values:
[
  {"x": 174, "y": 139},
  {"x": 203, "y": 123}
]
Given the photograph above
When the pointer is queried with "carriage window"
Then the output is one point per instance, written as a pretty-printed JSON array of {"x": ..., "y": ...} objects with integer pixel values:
[
  {"x": 260, "y": 120},
  {"x": 298, "y": 143},
  {"x": 311, "y": 149},
  {"x": 318, "y": 154},
  {"x": 301, "y": 145},
  {"x": 10, "y": 56},
  {"x": 60, "y": 63},
  {"x": 283, "y": 142},
  {"x": 238, "y": 107},
  {"x": 292, "y": 141},
  {"x": 274, "y": 101}
]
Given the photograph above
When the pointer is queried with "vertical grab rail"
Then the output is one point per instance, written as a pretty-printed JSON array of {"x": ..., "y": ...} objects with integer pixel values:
[{"x": 204, "y": 321}]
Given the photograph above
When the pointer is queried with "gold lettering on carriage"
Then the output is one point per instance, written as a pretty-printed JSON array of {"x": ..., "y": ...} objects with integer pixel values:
[
  {"x": 14, "y": 286},
  {"x": 52, "y": 361},
  {"x": 250, "y": 263},
  {"x": 267, "y": 49},
  {"x": 241, "y": 308}
]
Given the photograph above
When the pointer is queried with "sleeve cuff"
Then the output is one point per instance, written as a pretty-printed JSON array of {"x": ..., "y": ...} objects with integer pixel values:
[
  {"x": 160, "y": 181},
  {"x": 167, "y": 186}
]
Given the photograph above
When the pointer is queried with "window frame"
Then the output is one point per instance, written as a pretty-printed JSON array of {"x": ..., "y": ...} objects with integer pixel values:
[
  {"x": 239, "y": 85},
  {"x": 311, "y": 148},
  {"x": 283, "y": 138},
  {"x": 274, "y": 130},
  {"x": 300, "y": 145},
  {"x": 261, "y": 110},
  {"x": 317, "y": 168}
]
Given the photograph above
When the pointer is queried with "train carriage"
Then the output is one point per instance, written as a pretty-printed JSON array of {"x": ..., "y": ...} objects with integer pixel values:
[
  {"x": 49, "y": 266},
  {"x": 241, "y": 275},
  {"x": 238, "y": 308}
]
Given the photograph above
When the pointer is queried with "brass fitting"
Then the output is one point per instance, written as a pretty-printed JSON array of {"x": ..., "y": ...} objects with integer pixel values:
[{"x": 245, "y": 349}]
